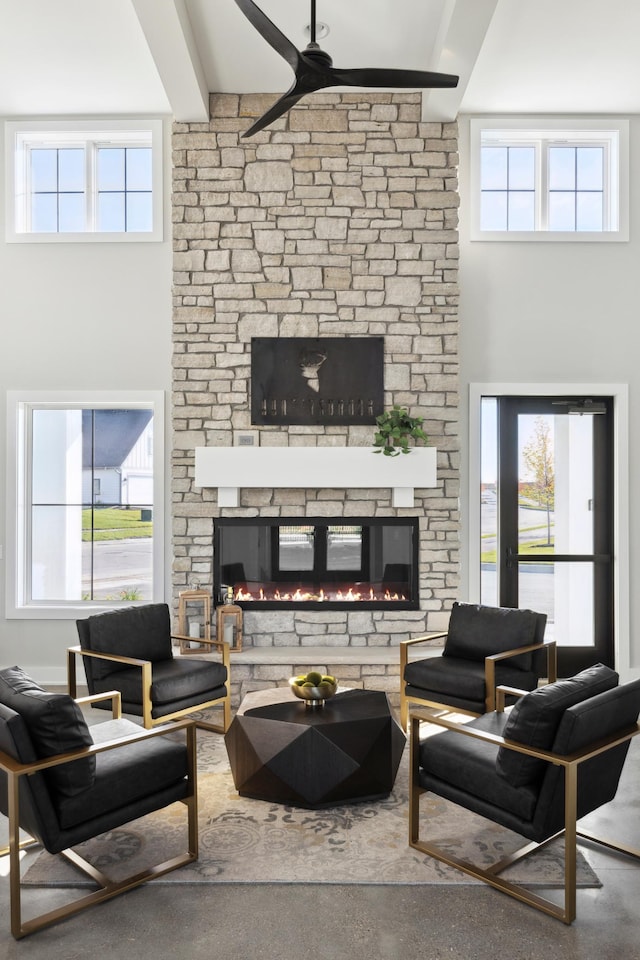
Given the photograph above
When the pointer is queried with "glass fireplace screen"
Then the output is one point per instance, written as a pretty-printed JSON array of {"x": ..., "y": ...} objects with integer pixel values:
[{"x": 285, "y": 563}]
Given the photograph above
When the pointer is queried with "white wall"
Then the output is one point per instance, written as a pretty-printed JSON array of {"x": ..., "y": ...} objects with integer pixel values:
[
  {"x": 553, "y": 313},
  {"x": 75, "y": 316},
  {"x": 98, "y": 316}
]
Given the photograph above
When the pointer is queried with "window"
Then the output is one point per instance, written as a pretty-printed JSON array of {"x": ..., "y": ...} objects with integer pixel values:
[
  {"x": 323, "y": 549},
  {"x": 80, "y": 181},
  {"x": 85, "y": 482},
  {"x": 552, "y": 180}
]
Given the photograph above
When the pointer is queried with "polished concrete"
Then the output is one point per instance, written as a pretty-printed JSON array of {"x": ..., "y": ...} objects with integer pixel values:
[{"x": 321, "y": 922}]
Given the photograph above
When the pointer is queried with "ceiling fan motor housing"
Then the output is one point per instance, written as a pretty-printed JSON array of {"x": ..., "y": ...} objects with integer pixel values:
[{"x": 313, "y": 52}]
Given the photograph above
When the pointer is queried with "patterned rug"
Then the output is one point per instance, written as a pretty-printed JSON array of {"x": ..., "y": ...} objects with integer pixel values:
[{"x": 252, "y": 841}]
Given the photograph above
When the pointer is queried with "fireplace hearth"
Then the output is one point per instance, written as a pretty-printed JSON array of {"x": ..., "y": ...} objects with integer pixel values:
[{"x": 314, "y": 563}]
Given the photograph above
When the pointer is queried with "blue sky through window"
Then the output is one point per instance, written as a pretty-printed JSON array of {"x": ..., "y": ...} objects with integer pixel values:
[
  {"x": 576, "y": 188},
  {"x": 124, "y": 201},
  {"x": 507, "y": 182},
  {"x": 124, "y": 184},
  {"x": 57, "y": 190}
]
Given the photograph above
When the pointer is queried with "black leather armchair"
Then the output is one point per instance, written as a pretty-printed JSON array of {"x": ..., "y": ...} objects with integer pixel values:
[
  {"x": 484, "y": 646},
  {"x": 536, "y": 769},
  {"x": 130, "y": 650},
  {"x": 63, "y": 783}
]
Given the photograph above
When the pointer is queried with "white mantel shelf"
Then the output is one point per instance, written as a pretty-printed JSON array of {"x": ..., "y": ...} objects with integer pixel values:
[{"x": 232, "y": 468}]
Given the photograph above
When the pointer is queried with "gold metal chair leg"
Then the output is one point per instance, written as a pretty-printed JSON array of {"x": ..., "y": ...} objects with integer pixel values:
[
  {"x": 108, "y": 889},
  {"x": 491, "y": 875}
]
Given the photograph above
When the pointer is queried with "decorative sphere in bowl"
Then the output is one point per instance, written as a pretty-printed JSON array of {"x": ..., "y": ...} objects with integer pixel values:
[{"x": 313, "y": 686}]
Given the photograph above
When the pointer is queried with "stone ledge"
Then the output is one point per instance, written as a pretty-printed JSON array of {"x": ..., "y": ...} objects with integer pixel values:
[{"x": 330, "y": 654}]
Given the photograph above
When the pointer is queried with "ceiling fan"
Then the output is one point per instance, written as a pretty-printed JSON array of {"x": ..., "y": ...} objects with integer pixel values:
[{"x": 314, "y": 70}]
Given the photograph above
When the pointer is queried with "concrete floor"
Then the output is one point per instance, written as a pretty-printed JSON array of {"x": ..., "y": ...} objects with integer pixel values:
[{"x": 321, "y": 922}]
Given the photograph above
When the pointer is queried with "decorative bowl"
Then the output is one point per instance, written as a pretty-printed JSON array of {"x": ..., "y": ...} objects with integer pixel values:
[{"x": 313, "y": 693}]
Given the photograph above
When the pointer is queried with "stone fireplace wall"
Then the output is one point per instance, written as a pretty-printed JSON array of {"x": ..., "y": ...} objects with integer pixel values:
[{"x": 340, "y": 220}]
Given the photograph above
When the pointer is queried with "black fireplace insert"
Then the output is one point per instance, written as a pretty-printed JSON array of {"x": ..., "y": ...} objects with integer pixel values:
[{"x": 308, "y": 563}]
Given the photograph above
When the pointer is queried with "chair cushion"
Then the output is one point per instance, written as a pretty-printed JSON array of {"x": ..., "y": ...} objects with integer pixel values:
[
  {"x": 476, "y": 631},
  {"x": 55, "y": 724},
  {"x": 470, "y": 766},
  {"x": 535, "y": 718},
  {"x": 444, "y": 678},
  {"x": 127, "y": 774},
  {"x": 171, "y": 680},
  {"x": 462, "y": 678},
  {"x": 184, "y": 677},
  {"x": 143, "y": 632}
]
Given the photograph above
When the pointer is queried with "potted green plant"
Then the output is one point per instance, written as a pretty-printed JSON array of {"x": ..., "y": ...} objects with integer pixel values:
[{"x": 396, "y": 427}]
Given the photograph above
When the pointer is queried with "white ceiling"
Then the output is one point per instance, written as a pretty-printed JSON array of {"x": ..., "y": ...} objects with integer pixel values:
[{"x": 90, "y": 57}]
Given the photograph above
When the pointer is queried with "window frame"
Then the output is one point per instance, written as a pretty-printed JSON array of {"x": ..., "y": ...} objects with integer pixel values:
[
  {"x": 22, "y": 136},
  {"x": 19, "y": 405},
  {"x": 543, "y": 134}
]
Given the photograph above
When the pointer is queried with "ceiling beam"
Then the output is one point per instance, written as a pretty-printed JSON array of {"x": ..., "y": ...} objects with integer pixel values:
[
  {"x": 169, "y": 34},
  {"x": 464, "y": 28}
]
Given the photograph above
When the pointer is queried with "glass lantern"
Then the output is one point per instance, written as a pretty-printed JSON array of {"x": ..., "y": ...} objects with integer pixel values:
[
  {"x": 229, "y": 622},
  {"x": 194, "y": 633}
]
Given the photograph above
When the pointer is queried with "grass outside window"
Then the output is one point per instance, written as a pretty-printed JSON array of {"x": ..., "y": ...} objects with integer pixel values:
[{"x": 114, "y": 523}]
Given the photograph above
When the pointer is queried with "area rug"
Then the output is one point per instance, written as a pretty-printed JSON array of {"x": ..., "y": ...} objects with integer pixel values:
[{"x": 252, "y": 841}]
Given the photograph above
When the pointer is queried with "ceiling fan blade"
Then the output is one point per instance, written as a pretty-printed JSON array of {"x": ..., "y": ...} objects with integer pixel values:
[
  {"x": 284, "y": 103},
  {"x": 270, "y": 32},
  {"x": 314, "y": 70},
  {"x": 381, "y": 77}
]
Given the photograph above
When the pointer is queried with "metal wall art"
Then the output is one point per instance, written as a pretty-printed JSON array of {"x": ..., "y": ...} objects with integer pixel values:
[{"x": 321, "y": 380}]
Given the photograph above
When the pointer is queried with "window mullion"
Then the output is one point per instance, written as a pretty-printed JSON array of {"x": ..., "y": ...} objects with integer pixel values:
[
  {"x": 543, "y": 150},
  {"x": 26, "y": 489},
  {"x": 607, "y": 188},
  {"x": 90, "y": 187},
  {"x": 26, "y": 213}
]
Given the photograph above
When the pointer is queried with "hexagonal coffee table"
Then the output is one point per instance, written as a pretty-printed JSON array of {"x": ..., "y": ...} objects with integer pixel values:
[{"x": 286, "y": 752}]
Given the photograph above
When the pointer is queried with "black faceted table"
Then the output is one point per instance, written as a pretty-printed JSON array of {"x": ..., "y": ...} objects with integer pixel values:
[{"x": 348, "y": 749}]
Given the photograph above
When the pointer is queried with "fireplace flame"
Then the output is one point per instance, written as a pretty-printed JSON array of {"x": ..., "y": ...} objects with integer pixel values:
[{"x": 325, "y": 594}]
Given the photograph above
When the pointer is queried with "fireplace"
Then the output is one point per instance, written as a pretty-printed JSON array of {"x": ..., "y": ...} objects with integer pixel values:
[{"x": 317, "y": 563}]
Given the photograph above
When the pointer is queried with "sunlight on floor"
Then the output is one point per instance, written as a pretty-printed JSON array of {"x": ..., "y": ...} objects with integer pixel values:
[{"x": 4, "y": 863}]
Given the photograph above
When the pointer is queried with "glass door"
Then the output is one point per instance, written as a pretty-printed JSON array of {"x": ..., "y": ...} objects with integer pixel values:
[{"x": 548, "y": 518}]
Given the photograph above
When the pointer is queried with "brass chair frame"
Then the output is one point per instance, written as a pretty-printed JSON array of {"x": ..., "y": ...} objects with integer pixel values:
[
  {"x": 489, "y": 674},
  {"x": 145, "y": 686},
  {"x": 107, "y": 888},
  {"x": 491, "y": 875}
]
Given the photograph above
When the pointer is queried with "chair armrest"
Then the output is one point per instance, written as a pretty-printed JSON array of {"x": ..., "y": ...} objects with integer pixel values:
[
  {"x": 424, "y": 639},
  {"x": 492, "y": 659},
  {"x": 502, "y": 692},
  {"x": 145, "y": 667},
  {"x": 10, "y": 765},
  {"x": 225, "y": 651},
  {"x": 416, "y": 717},
  {"x": 405, "y": 644},
  {"x": 223, "y": 647},
  {"x": 116, "y": 658},
  {"x": 548, "y": 645},
  {"x": 114, "y": 695}
]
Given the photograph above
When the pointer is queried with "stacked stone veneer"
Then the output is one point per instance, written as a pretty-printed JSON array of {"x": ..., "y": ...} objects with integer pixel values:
[{"x": 339, "y": 220}]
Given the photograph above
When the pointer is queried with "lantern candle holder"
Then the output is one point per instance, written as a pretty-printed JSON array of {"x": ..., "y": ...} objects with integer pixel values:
[
  {"x": 189, "y": 640},
  {"x": 229, "y": 622}
]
